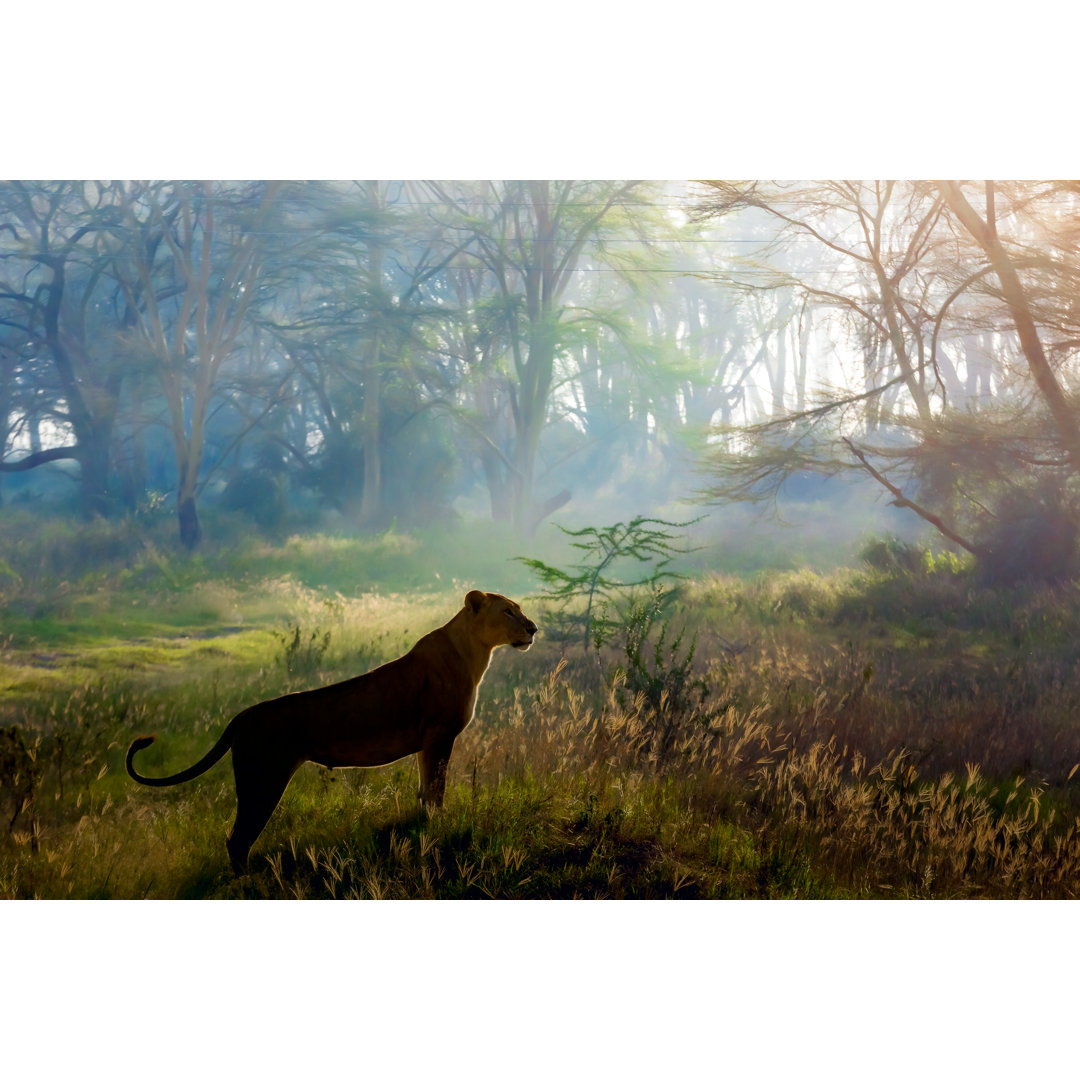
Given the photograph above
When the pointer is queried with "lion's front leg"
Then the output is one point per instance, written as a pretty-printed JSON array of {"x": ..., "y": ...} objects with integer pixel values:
[{"x": 433, "y": 760}]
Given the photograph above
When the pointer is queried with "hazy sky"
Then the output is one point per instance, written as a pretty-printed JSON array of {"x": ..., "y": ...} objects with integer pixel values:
[{"x": 583, "y": 89}]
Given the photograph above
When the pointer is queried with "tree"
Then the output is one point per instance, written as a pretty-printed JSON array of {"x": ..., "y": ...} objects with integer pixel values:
[
  {"x": 189, "y": 259},
  {"x": 527, "y": 239},
  {"x": 985, "y": 234},
  {"x": 57, "y": 302},
  {"x": 911, "y": 269},
  {"x": 351, "y": 312}
]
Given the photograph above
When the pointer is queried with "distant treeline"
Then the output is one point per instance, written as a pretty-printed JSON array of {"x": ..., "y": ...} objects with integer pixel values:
[
  {"x": 378, "y": 347},
  {"x": 384, "y": 347}
]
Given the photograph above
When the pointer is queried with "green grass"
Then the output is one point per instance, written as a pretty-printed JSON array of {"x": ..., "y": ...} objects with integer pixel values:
[{"x": 864, "y": 734}]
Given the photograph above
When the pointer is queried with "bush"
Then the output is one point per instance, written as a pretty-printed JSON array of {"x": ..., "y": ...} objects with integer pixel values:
[
  {"x": 39, "y": 547},
  {"x": 1033, "y": 537},
  {"x": 637, "y": 543},
  {"x": 891, "y": 555},
  {"x": 258, "y": 494}
]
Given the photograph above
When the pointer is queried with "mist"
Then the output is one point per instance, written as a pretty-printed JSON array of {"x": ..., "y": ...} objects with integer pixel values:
[{"x": 352, "y": 357}]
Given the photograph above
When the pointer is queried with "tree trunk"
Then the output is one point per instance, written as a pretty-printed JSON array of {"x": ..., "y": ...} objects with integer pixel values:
[
  {"x": 90, "y": 408},
  {"x": 985, "y": 234},
  {"x": 94, "y": 455},
  {"x": 371, "y": 495},
  {"x": 135, "y": 469},
  {"x": 777, "y": 370},
  {"x": 187, "y": 514},
  {"x": 547, "y": 508},
  {"x": 535, "y": 386},
  {"x": 495, "y": 476}
]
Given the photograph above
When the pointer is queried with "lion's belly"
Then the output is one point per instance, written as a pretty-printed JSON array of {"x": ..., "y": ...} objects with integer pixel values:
[{"x": 366, "y": 744}]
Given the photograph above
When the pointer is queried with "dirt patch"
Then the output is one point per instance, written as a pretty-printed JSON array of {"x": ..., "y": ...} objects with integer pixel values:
[
  {"x": 220, "y": 631},
  {"x": 49, "y": 660}
]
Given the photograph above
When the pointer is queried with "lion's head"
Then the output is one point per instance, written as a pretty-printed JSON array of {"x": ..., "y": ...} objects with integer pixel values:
[{"x": 498, "y": 620}]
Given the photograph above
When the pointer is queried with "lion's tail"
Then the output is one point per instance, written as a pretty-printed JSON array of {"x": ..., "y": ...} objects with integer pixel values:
[{"x": 211, "y": 757}]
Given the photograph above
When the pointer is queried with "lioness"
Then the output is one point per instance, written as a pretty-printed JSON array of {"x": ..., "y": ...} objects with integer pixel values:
[{"x": 416, "y": 704}]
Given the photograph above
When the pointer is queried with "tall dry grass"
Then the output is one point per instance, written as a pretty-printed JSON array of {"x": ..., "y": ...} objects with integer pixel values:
[{"x": 813, "y": 778}]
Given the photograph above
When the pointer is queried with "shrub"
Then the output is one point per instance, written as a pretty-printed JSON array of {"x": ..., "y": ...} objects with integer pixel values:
[
  {"x": 592, "y": 581},
  {"x": 1033, "y": 537},
  {"x": 258, "y": 494},
  {"x": 890, "y": 555},
  {"x": 664, "y": 673}
]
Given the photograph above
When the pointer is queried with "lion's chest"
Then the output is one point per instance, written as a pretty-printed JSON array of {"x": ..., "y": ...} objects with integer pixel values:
[{"x": 451, "y": 709}]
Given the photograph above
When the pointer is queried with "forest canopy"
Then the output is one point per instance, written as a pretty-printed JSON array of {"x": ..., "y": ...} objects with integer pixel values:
[{"x": 384, "y": 349}]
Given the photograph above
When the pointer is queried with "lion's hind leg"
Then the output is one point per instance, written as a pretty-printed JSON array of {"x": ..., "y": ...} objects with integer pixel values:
[{"x": 259, "y": 786}]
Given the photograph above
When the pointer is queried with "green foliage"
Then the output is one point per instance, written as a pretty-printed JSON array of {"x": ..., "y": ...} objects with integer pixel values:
[
  {"x": 643, "y": 540},
  {"x": 945, "y": 562},
  {"x": 152, "y": 507},
  {"x": 260, "y": 495},
  {"x": 663, "y": 673},
  {"x": 54, "y": 558},
  {"x": 890, "y": 555},
  {"x": 43, "y": 548},
  {"x": 654, "y": 664}
]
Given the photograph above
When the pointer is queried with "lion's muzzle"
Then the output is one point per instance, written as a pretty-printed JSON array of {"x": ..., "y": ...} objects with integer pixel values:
[{"x": 531, "y": 629}]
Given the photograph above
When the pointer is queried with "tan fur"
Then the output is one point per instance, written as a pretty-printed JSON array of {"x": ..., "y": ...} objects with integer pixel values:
[{"x": 416, "y": 704}]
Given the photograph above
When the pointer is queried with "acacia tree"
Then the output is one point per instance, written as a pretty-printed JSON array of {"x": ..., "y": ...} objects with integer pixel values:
[
  {"x": 917, "y": 288},
  {"x": 722, "y": 357},
  {"x": 351, "y": 310},
  {"x": 189, "y": 258},
  {"x": 473, "y": 338},
  {"x": 57, "y": 305},
  {"x": 647, "y": 372},
  {"x": 401, "y": 377},
  {"x": 528, "y": 239},
  {"x": 1006, "y": 267},
  {"x": 867, "y": 246},
  {"x": 1028, "y": 242}
]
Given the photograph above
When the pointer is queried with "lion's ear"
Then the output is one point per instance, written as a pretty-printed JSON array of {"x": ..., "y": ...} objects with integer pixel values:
[{"x": 474, "y": 601}]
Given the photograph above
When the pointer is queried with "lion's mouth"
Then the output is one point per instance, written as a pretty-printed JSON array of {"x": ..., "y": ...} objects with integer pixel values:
[{"x": 530, "y": 629}]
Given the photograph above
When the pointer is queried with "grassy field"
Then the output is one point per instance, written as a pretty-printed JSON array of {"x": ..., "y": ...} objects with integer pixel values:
[{"x": 861, "y": 733}]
